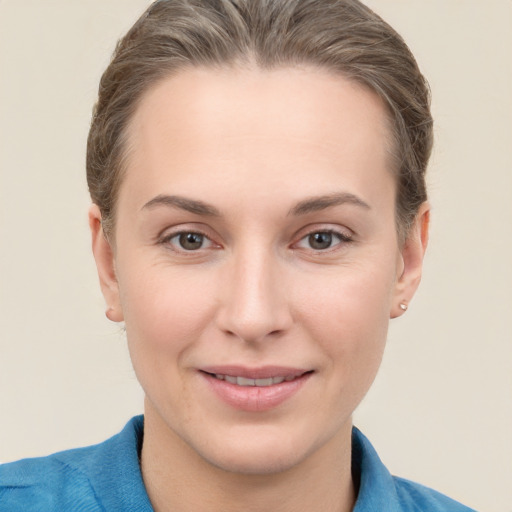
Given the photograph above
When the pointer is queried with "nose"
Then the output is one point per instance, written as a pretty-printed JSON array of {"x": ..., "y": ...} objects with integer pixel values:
[{"x": 255, "y": 302}]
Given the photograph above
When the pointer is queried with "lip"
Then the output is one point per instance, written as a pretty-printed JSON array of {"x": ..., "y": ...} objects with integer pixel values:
[{"x": 255, "y": 398}]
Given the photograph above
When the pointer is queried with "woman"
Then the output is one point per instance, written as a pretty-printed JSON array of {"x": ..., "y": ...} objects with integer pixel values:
[{"x": 259, "y": 214}]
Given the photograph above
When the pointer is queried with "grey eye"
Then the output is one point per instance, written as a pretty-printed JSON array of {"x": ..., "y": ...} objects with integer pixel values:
[
  {"x": 190, "y": 241},
  {"x": 323, "y": 240},
  {"x": 320, "y": 240}
]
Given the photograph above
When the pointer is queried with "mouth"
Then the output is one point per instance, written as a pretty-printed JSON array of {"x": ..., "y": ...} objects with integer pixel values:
[
  {"x": 239, "y": 380},
  {"x": 255, "y": 389}
]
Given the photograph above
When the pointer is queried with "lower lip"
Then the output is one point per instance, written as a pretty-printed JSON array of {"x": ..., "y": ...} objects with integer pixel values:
[{"x": 255, "y": 398}]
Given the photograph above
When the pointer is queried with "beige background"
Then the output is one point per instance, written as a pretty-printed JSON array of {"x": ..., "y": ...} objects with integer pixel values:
[{"x": 440, "y": 411}]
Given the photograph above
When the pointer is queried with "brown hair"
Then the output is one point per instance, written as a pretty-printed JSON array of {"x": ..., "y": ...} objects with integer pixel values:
[{"x": 342, "y": 36}]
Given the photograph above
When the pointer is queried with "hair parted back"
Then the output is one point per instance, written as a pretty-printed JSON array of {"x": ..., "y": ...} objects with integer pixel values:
[{"x": 341, "y": 36}]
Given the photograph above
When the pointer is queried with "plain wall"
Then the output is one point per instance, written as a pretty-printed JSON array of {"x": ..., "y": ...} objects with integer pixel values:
[{"x": 440, "y": 411}]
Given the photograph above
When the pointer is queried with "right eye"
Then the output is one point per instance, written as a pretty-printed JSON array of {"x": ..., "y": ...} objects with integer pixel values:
[{"x": 188, "y": 241}]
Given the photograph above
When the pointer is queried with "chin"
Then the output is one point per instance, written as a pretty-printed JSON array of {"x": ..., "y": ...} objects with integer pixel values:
[
  {"x": 256, "y": 462},
  {"x": 259, "y": 451}
]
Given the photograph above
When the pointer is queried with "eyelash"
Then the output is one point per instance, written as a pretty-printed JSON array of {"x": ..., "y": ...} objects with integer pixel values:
[
  {"x": 167, "y": 240},
  {"x": 343, "y": 238}
]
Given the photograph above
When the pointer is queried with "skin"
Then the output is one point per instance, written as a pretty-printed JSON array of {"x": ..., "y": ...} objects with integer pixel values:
[{"x": 255, "y": 146}]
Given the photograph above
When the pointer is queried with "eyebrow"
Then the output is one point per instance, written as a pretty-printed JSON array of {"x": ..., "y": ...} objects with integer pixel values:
[
  {"x": 318, "y": 203},
  {"x": 309, "y": 205},
  {"x": 183, "y": 203}
]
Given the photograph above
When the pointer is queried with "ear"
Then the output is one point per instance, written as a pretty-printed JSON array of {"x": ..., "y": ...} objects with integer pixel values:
[
  {"x": 411, "y": 262},
  {"x": 104, "y": 257}
]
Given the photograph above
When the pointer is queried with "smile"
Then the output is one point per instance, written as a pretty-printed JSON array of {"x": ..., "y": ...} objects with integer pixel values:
[
  {"x": 244, "y": 381},
  {"x": 255, "y": 389}
]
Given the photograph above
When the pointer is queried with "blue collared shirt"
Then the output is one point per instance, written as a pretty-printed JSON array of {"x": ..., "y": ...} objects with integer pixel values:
[{"x": 107, "y": 477}]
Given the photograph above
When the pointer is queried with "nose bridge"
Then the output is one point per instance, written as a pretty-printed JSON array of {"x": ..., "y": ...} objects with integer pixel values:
[{"x": 254, "y": 305}]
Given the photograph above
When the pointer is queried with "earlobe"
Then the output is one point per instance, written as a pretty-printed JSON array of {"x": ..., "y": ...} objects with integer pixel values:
[
  {"x": 412, "y": 254},
  {"x": 104, "y": 257}
]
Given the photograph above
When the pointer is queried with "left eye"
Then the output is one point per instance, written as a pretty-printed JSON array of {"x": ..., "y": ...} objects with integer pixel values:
[
  {"x": 322, "y": 240},
  {"x": 189, "y": 241}
]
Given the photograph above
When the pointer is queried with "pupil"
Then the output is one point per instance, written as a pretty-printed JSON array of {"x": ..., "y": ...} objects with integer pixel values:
[
  {"x": 320, "y": 240},
  {"x": 191, "y": 241}
]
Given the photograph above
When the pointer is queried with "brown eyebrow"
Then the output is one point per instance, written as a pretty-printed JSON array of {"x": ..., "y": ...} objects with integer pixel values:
[
  {"x": 183, "y": 203},
  {"x": 310, "y": 205},
  {"x": 314, "y": 204}
]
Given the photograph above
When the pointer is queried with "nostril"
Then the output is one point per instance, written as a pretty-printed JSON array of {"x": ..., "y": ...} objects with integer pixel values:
[{"x": 250, "y": 337}]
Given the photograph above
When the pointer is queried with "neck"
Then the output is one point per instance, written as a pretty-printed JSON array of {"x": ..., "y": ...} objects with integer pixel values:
[{"x": 178, "y": 479}]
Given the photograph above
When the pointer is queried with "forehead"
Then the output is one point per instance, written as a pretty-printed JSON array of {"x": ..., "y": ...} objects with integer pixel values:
[
  {"x": 307, "y": 96},
  {"x": 289, "y": 119}
]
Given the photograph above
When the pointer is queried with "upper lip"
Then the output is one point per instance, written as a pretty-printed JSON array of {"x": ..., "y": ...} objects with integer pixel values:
[{"x": 262, "y": 372}]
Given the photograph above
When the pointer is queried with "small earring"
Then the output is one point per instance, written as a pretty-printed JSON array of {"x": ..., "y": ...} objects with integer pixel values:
[{"x": 403, "y": 306}]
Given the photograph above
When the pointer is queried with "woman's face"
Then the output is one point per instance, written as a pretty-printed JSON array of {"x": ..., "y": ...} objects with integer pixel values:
[{"x": 256, "y": 261}]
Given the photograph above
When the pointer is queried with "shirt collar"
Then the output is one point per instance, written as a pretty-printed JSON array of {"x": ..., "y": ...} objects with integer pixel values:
[
  {"x": 114, "y": 472},
  {"x": 377, "y": 489}
]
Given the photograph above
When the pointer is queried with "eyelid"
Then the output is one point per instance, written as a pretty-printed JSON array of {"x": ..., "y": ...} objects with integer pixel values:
[
  {"x": 185, "y": 227},
  {"x": 324, "y": 227}
]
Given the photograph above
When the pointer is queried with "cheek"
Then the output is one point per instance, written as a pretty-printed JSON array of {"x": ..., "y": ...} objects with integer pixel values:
[
  {"x": 164, "y": 313},
  {"x": 353, "y": 299},
  {"x": 354, "y": 343},
  {"x": 348, "y": 316}
]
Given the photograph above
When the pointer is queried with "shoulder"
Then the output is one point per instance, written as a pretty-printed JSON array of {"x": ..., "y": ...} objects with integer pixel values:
[
  {"x": 417, "y": 497},
  {"x": 379, "y": 490},
  {"x": 48, "y": 483},
  {"x": 102, "y": 477}
]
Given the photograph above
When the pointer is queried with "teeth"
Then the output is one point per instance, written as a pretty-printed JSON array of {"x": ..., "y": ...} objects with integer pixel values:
[
  {"x": 243, "y": 381},
  {"x": 264, "y": 382}
]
